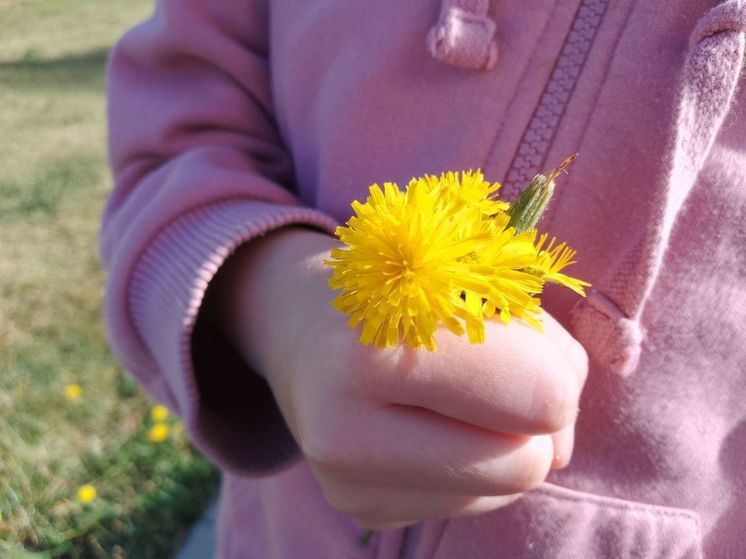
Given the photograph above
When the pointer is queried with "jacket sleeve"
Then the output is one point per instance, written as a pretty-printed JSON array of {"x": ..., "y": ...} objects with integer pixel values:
[{"x": 199, "y": 168}]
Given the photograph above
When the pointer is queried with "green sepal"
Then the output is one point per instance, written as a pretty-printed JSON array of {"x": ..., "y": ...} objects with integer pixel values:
[{"x": 529, "y": 207}]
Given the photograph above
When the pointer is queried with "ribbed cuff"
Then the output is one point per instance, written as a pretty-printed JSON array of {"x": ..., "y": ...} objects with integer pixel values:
[{"x": 237, "y": 425}]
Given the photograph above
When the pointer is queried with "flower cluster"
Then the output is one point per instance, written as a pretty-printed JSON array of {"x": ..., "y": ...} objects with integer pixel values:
[
  {"x": 160, "y": 430},
  {"x": 444, "y": 252}
]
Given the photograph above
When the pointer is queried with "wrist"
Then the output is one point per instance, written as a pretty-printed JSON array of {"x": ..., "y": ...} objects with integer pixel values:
[{"x": 260, "y": 290}]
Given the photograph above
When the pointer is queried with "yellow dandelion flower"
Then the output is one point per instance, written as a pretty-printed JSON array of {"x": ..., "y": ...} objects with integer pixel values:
[
  {"x": 469, "y": 190},
  {"x": 86, "y": 493},
  {"x": 427, "y": 257},
  {"x": 73, "y": 392},
  {"x": 158, "y": 433},
  {"x": 159, "y": 413},
  {"x": 550, "y": 261},
  {"x": 508, "y": 256}
]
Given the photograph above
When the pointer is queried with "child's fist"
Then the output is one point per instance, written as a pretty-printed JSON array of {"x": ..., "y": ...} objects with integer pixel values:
[{"x": 398, "y": 436}]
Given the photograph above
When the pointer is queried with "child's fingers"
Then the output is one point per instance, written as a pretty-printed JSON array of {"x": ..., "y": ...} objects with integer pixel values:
[
  {"x": 385, "y": 507},
  {"x": 563, "y": 442},
  {"x": 520, "y": 381},
  {"x": 572, "y": 348},
  {"x": 417, "y": 448}
]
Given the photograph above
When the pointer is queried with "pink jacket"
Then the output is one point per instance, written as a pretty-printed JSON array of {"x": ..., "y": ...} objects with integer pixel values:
[{"x": 232, "y": 118}]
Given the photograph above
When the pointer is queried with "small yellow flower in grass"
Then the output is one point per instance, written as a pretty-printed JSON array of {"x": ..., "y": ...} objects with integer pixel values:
[
  {"x": 158, "y": 433},
  {"x": 86, "y": 493},
  {"x": 159, "y": 413},
  {"x": 73, "y": 391}
]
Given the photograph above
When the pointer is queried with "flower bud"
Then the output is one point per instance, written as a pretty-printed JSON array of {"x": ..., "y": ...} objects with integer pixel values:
[{"x": 529, "y": 207}]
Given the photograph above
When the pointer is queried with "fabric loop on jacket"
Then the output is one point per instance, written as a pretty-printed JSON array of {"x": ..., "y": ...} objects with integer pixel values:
[
  {"x": 608, "y": 321},
  {"x": 728, "y": 16},
  {"x": 611, "y": 338},
  {"x": 464, "y": 35}
]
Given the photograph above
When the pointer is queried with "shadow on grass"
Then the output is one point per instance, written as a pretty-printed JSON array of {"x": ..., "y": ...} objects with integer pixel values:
[{"x": 82, "y": 71}]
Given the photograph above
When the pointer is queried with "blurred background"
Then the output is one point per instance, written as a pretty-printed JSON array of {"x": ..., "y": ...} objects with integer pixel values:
[{"x": 89, "y": 467}]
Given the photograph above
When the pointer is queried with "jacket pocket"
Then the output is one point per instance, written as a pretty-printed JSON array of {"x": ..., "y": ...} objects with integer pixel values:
[{"x": 555, "y": 522}]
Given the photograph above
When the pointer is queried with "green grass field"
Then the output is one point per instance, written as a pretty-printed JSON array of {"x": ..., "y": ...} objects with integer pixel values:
[{"x": 53, "y": 183}]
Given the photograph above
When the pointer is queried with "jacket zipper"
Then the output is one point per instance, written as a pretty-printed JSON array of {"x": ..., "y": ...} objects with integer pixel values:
[
  {"x": 539, "y": 134},
  {"x": 530, "y": 156}
]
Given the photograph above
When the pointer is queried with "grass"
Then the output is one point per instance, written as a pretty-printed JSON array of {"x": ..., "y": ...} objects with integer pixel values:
[{"x": 53, "y": 183}]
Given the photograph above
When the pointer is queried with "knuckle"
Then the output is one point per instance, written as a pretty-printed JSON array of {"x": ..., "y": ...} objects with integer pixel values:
[
  {"x": 331, "y": 444},
  {"x": 315, "y": 448},
  {"x": 337, "y": 500},
  {"x": 324, "y": 449},
  {"x": 373, "y": 381},
  {"x": 527, "y": 470},
  {"x": 361, "y": 510},
  {"x": 386, "y": 374},
  {"x": 556, "y": 407},
  {"x": 581, "y": 360},
  {"x": 555, "y": 394},
  {"x": 328, "y": 456},
  {"x": 344, "y": 503}
]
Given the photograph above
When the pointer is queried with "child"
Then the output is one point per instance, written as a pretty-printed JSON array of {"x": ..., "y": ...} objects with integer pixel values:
[{"x": 240, "y": 133}]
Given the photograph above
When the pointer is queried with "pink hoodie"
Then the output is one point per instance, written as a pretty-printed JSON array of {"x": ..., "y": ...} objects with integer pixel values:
[{"x": 233, "y": 118}]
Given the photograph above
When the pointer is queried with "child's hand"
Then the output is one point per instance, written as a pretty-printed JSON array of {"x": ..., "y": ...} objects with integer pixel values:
[{"x": 398, "y": 436}]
